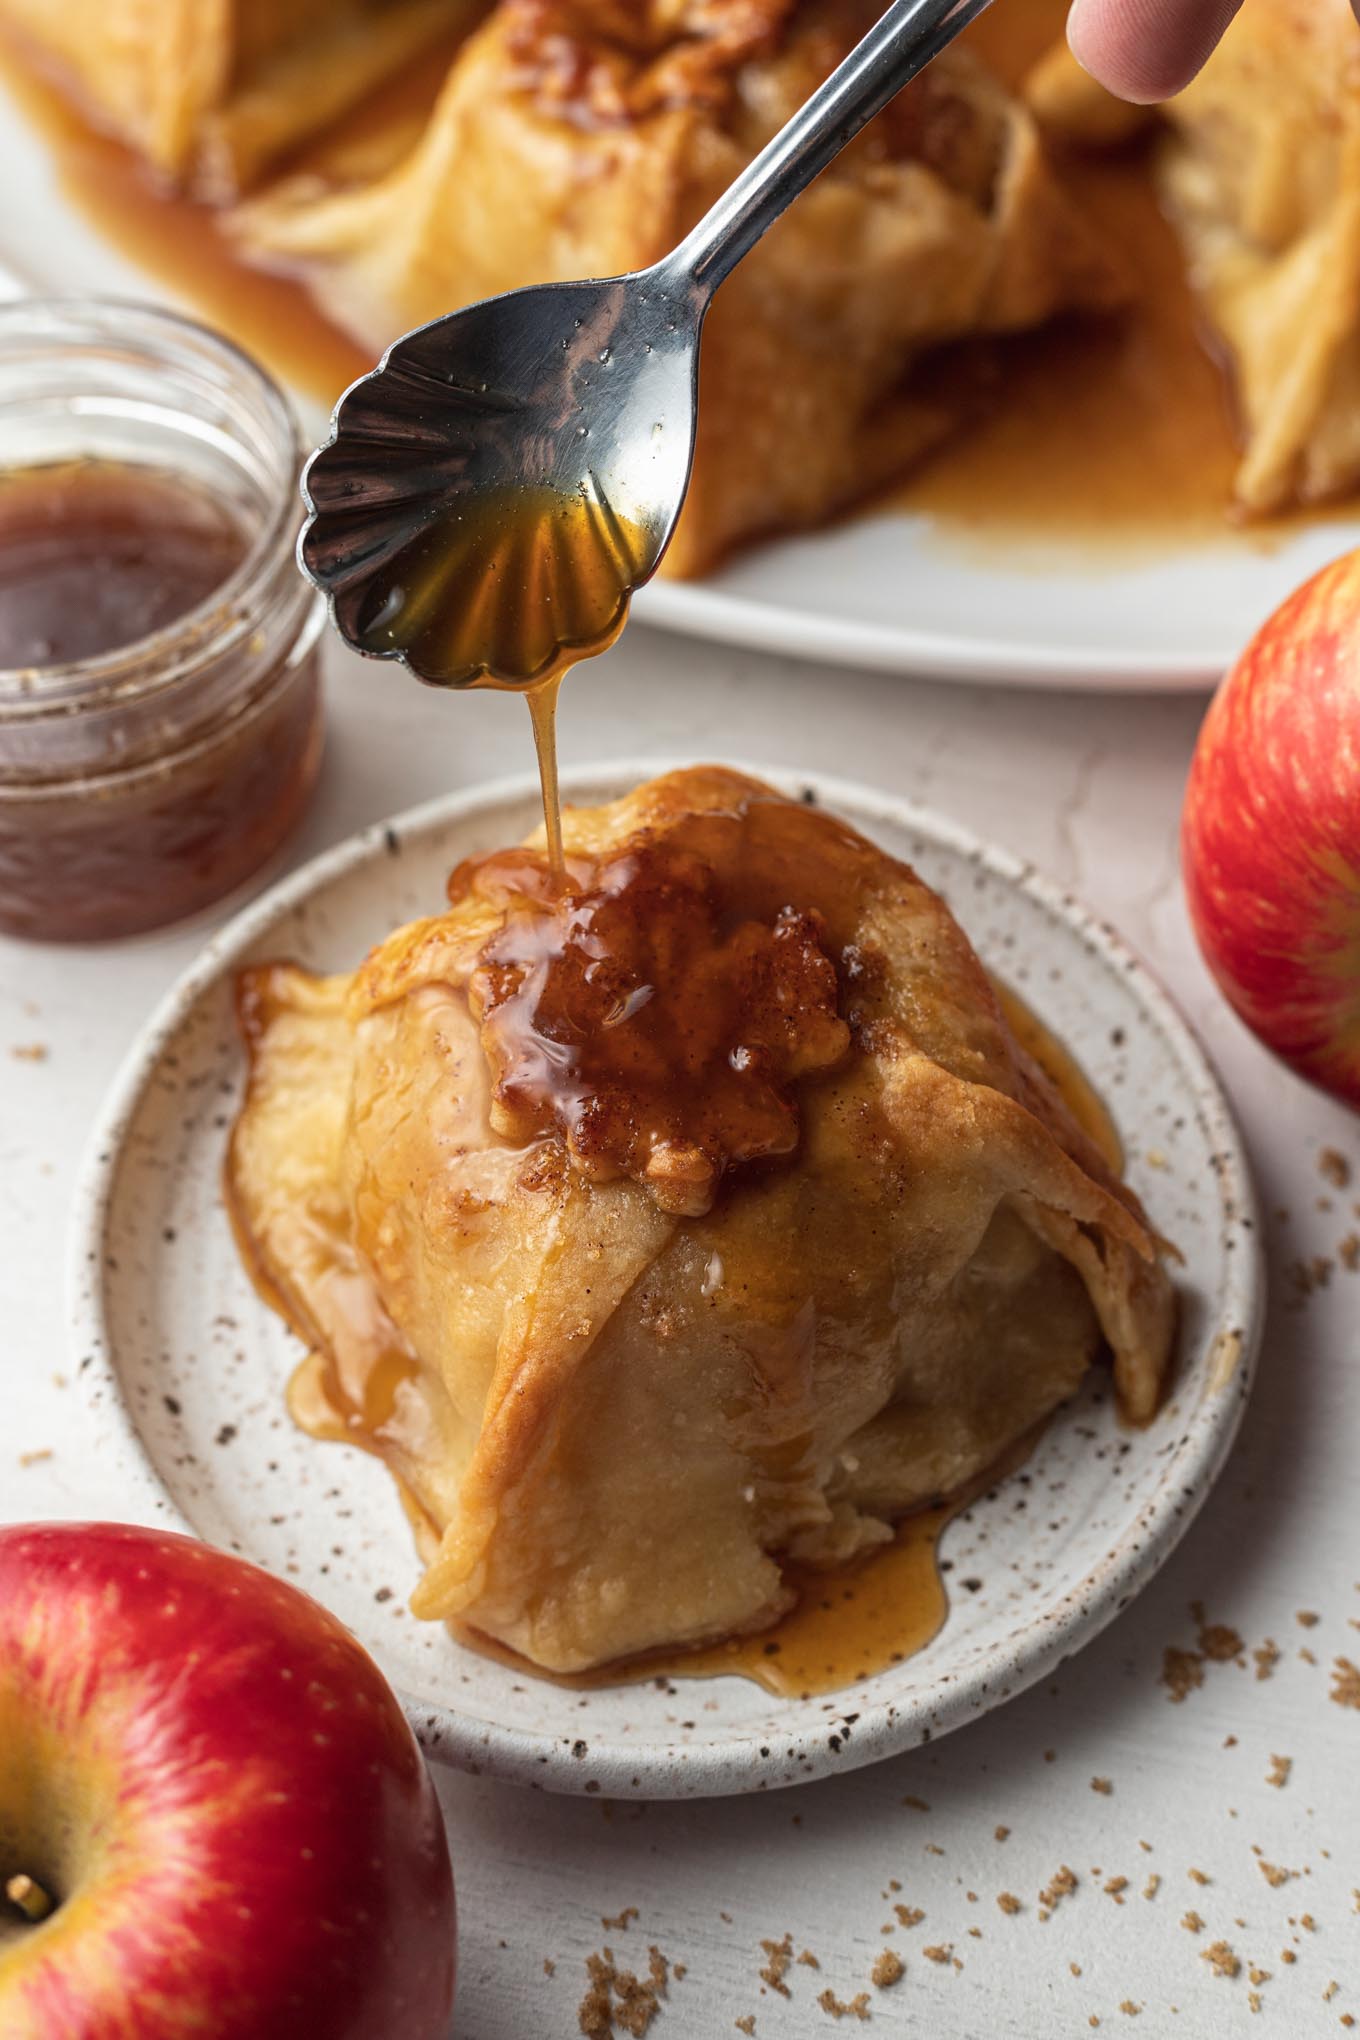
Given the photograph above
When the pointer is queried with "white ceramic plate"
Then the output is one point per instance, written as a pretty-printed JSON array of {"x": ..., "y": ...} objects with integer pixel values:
[
  {"x": 187, "y": 1367},
  {"x": 888, "y": 592}
]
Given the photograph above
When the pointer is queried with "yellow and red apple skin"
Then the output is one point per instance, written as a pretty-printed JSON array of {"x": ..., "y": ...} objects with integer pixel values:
[
  {"x": 222, "y": 1793},
  {"x": 1270, "y": 835}
]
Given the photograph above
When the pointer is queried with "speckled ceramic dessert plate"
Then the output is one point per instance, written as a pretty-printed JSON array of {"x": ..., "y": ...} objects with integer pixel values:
[{"x": 186, "y": 1367}]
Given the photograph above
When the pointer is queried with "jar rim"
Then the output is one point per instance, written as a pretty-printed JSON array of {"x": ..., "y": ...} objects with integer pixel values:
[{"x": 146, "y": 664}]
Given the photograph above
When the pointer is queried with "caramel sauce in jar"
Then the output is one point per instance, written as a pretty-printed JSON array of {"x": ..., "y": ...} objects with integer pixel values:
[{"x": 160, "y": 700}]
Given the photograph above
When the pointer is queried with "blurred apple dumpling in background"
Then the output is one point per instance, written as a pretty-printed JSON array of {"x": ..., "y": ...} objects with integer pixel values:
[{"x": 697, "y": 1222}]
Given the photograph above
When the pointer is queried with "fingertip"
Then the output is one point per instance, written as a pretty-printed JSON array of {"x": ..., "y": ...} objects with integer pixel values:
[{"x": 1144, "y": 51}]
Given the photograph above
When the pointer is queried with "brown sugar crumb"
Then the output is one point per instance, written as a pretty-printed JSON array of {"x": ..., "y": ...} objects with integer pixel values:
[
  {"x": 1060, "y": 1886},
  {"x": 779, "y": 1954},
  {"x": 746, "y": 2025},
  {"x": 1266, "y": 1658},
  {"x": 909, "y": 1915},
  {"x": 856, "y": 2007},
  {"x": 934, "y": 1849},
  {"x": 1332, "y": 1165},
  {"x": 1275, "y": 1874},
  {"x": 1348, "y": 1253},
  {"x": 1129, "y": 2008},
  {"x": 1115, "y": 1887},
  {"x": 1254, "y": 2000},
  {"x": 1102, "y": 1785},
  {"x": 809, "y": 1960},
  {"x": 1288, "y": 1955},
  {"x": 36, "y": 1456},
  {"x": 619, "y": 1923},
  {"x": 1008, "y": 1902},
  {"x": 1192, "y": 1923},
  {"x": 1307, "y": 1656},
  {"x": 1307, "y": 1618},
  {"x": 679, "y": 1971},
  {"x": 549, "y": 1967},
  {"x": 1307, "y": 1920},
  {"x": 1153, "y": 1886},
  {"x": 1218, "y": 1641},
  {"x": 1075, "y": 1968},
  {"x": 1198, "y": 1877},
  {"x": 1311, "y": 1274},
  {"x": 1182, "y": 1671},
  {"x": 1280, "y": 1767},
  {"x": 618, "y": 2001},
  {"x": 1001, "y": 1833},
  {"x": 887, "y": 1970},
  {"x": 941, "y": 1953},
  {"x": 920, "y": 1805},
  {"x": 1345, "y": 1683},
  {"x": 1330, "y": 1992},
  {"x": 30, "y": 1051},
  {"x": 1257, "y": 1974},
  {"x": 1221, "y": 1959}
]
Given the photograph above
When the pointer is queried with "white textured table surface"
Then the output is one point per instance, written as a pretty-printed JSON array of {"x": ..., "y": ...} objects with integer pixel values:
[{"x": 1199, "y": 1816}]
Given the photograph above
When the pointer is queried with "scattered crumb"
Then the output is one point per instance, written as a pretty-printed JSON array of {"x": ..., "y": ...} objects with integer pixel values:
[
  {"x": 1330, "y": 1992},
  {"x": 1230, "y": 1742},
  {"x": 1129, "y": 2008},
  {"x": 1001, "y": 1833},
  {"x": 809, "y": 1960},
  {"x": 1266, "y": 1658},
  {"x": 618, "y": 2001},
  {"x": 679, "y": 1970},
  {"x": 921, "y": 1805},
  {"x": 1275, "y": 1874},
  {"x": 1102, "y": 1785},
  {"x": 1307, "y": 1618},
  {"x": 1198, "y": 1876},
  {"x": 746, "y": 2025},
  {"x": 1254, "y": 2000},
  {"x": 1348, "y": 1253},
  {"x": 1332, "y": 1164},
  {"x": 1221, "y": 1959},
  {"x": 1008, "y": 1902},
  {"x": 1075, "y": 1968},
  {"x": 856, "y": 2008},
  {"x": 1307, "y": 1920},
  {"x": 1192, "y": 1923},
  {"x": 30, "y": 1051},
  {"x": 1115, "y": 1887},
  {"x": 909, "y": 1915},
  {"x": 1288, "y": 1955},
  {"x": 1218, "y": 1641},
  {"x": 1146, "y": 1848},
  {"x": 549, "y": 1967},
  {"x": 1280, "y": 1767},
  {"x": 619, "y": 1923},
  {"x": 887, "y": 1970},
  {"x": 1257, "y": 1974},
  {"x": 36, "y": 1457},
  {"x": 1312, "y": 1274},
  {"x": 779, "y": 1954},
  {"x": 1153, "y": 1886},
  {"x": 1060, "y": 1886},
  {"x": 940, "y": 1953},
  {"x": 1182, "y": 1671},
  {"x": 1307, "y": 1655},
  {"x": 1345, "y": 1683}
]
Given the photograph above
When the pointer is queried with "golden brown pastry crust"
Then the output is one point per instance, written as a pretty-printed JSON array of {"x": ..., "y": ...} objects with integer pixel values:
[
  {"x": 212, "y": 92},
  {"x": 613, "y": 1424},
  {"x": 584, "y": 137}
]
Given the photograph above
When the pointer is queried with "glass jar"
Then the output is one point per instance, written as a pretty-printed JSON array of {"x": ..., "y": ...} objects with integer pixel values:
[{"x": 143, "y": 782}]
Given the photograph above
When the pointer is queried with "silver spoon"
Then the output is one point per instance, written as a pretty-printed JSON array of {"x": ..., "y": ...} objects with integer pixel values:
[{"x": 575, "y": 394}]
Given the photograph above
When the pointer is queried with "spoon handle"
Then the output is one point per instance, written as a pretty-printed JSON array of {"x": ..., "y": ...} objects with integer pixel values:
[{"x": 901, "y": 43}]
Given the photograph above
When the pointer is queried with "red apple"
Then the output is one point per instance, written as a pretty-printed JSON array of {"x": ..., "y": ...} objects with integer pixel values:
[
  {"x": 222, "y": 1798},
  {"x": 1270, "y": 837}
]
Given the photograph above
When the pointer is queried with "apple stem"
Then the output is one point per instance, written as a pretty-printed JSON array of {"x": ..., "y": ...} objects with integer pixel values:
[{"x": 28, "y": 1895}]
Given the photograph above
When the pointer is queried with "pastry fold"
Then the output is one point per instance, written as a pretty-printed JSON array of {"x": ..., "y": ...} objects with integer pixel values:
[{"x": 615, "y": 1424}]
